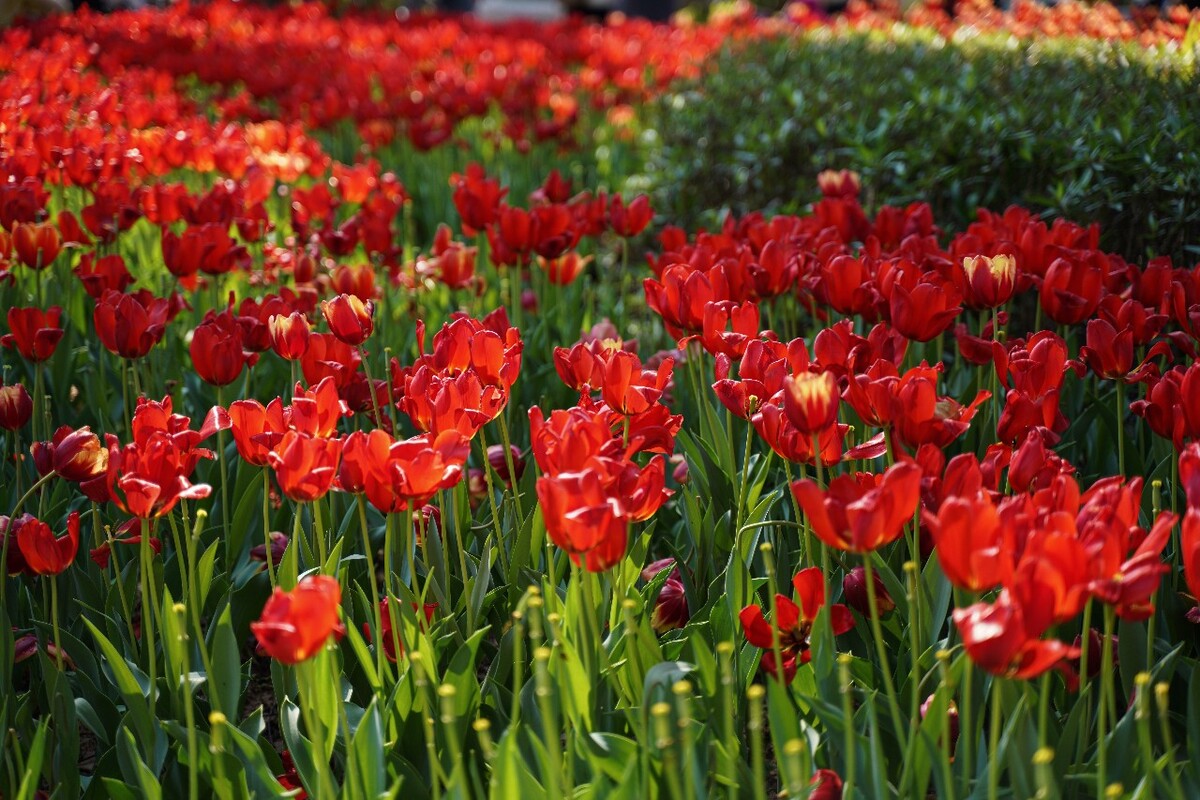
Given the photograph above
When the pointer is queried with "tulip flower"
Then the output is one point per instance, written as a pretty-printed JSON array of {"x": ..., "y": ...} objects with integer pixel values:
[
  {"x": 976, "y": 548},
  {"x": 43, "y": 553},
  {"x": 1190, "y": 549},
  {"x": 810, "y": 401},
  {"x": 289, "y": 335},
  {"x": 793, "y": 623},
  {"x": 860, "y": 514},
  {"x": 33, "y": 332},
  {"x": 130, "y": 324},
  {"x": 1072, "y": 286},
  {"x": 216, "y": 349},
  {"x": 854, "y": 589},
  {"x": 75, "y": 454},
  {"x": 36, "y": 245},
  {"x": 16, "y": 407},
  {"x": 349, "y": 318},
  {"x": 305, "y": 465},
  {"x": 998, "y": 638},
  {"x": 629, "y": 221},
  {"x": 295, "y": 625},
  {"x": 101, "y": 274},
  {"x": 671, "y": 606},
  {"x": 987, "y": 282}
]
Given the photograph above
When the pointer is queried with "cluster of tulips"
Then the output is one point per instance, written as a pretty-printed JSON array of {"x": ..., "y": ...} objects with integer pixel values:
[{"x": 403, "y": 503}]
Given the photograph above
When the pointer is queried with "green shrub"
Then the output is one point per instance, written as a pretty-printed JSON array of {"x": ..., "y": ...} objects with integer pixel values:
[{"x": 1087, "y": 130}]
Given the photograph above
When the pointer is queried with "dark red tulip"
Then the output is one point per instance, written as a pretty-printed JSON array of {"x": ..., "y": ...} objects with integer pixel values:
[{"x": 33, "y": 332}]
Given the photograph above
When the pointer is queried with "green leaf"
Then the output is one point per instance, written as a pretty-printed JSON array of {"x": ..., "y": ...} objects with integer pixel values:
[
  {"x": 133, "y": 691},
  {"x": 226, "y": 680}
]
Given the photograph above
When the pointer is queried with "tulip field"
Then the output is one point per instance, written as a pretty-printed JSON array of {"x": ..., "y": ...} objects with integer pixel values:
[{"x": 369, "y": 431}]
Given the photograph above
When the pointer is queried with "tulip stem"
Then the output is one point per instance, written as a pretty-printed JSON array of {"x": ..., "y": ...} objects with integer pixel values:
[
  {"x": 1084, "y": 674},
  {"x": 1106, "y": 699},
  {"x": 266, "y": 513},
  {"x": 821, "y": 485},
  {"x": 392, "y": 597},
  {"x": 994, "y": 742},
  {"x": 743, "y": 489},
  {"x": 149, "y": 602},
  {"x": 877, "y": 632},
  {"x": 58, "y": 651},
  {"x": 378, "y": 614},
  {"x": 491, "y": 493},
  {"x": 1121, "y": 427},
  {"x": 772, "y": 590},
  {"x": 968, "y": 718},
  {"x": 513, "y": 483},
  {"x": 362, "y": 352},
  {"x": 221, "y": 465}
]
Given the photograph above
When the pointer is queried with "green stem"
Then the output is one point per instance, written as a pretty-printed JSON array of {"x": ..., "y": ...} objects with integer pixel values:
[
  {"x": 994, "y": 742},
  {"x": 58, "y": 655},
  {"x": 149, "y": 602},
  {"x": 491, "y": 493},
  {"x": 377, "y": 615},
  {"x": 877, "y": 633},
  {"x": 266, "y": 517}
]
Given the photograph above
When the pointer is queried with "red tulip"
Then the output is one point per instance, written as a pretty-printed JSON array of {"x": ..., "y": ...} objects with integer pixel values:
[
  {"x": 349, "y": 318},
  {"x": 864, "y": 513},
  {"x": 99, "y": 275},
  {"x": 130, "y": 324},
  {"x": 216, "y": 349},
  {"x": 976, "y": 548},
  {"x": 16, "y": 407},
  {"x": 854, "y": 589},
  {"x": 34, "y": 333},
  {"x": 630, "y": 389},
  {"x": 76, "y": 455},
  {"x": 1072, "y": 286},
  {"x": 386, "y": 636},
  {"x": 43, "y": 553},
  {"x": 999, "y": 638},
  {"x": 987, "y": 282},
  {"x": 305, "y": 466},
  {"x": 37, "y": 245},
  {"x": 839, "y": 183},
  {"x": 628, "y": 221},
  {"x": 295, "y": 625},
  {"x": 810, "y": 401},
  {"x": 289, "y": 335},
  {"x": 793, "y": 622}
]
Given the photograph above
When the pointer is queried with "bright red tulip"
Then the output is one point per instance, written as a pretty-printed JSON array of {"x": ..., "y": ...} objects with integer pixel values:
[
  {"x": 295, "y": 625},
  {"x": 987, "y": 282},
  {"x": 793, "y": 622},
  {"x": 130, "y": 324},
  {"x": 43, "y": 553},
  {"x": 860, "y": 514},
  {"x": 289, "y": 335},
  {"x": 810, "y": 401},
  {"x": 33, "y": 332},
  {"x": 37, "y": 245},
  {"x": 349, "y": 318},
  {"x": 305, "y": 466},
  {"x": 216, "y": 349}
]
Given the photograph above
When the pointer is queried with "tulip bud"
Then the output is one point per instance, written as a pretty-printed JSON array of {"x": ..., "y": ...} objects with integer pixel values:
[
  {"x": 952, "y": 724},
  {"x": 810, "y": 401},
  {"x": 279, "y": 543},
  {"x": 497, "y": 461},
  {"x": 839, "y": 183},
  {"x": 349, "y": 318},
  {"x": 990, "y": 282},
  {"x": 827, "y": 785},
  {"x": 854, "y": 589},
  {"x": 1095, "y": 645},
  {"x": 476, "y": 486},
  {"x": 289, "y": 335},
  {"x": 680, "y": 473},
  {"x": 16, "y": 407},
  {"x": 427, "y": 518}
]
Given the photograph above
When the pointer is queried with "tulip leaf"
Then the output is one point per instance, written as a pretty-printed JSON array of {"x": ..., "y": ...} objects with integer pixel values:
[
  {"x": 134, "y": 692},
  {"x": 226, "y": 680},
  {"x": 204, "y": 576}
]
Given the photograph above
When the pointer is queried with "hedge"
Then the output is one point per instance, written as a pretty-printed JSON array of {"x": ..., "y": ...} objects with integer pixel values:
[{"x": 1088, "y": 130}]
